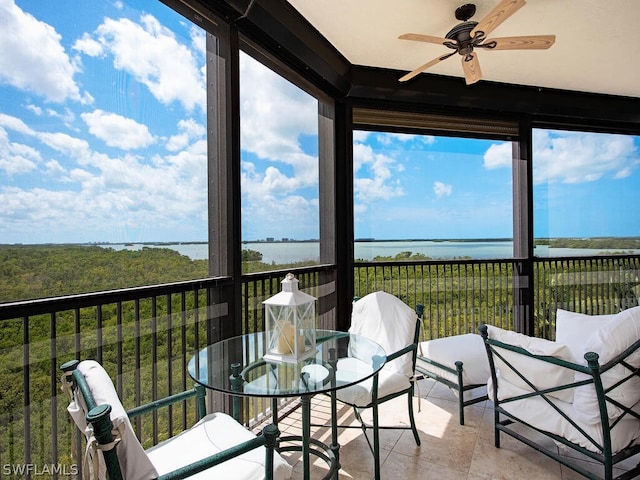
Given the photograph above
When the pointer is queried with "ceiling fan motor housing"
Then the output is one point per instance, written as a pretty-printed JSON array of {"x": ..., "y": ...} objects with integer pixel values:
[{"x": 461, "y": 34}]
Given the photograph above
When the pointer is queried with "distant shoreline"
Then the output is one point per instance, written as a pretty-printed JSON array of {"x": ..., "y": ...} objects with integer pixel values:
[{"x": 357, "y": 240}]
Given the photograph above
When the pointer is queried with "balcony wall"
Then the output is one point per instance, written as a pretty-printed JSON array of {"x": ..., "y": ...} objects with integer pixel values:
[{"x": 145, "y": 336}]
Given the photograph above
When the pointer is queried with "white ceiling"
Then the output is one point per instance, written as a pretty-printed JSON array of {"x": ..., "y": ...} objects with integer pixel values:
[{"x": 597, "y": 45}]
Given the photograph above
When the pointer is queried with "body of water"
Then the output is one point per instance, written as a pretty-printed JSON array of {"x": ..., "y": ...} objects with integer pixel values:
[{"x": 288, "y": 252}]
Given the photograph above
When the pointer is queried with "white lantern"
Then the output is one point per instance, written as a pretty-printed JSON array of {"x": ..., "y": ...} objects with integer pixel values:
[{"x": 290, "y": 323}]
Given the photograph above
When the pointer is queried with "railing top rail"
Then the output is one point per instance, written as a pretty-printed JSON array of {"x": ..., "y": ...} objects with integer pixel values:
[
  {"x": 40, "y": 306},
  {"x": 474, "y": 261},
  {"x": 591, "y": 258},
  {"x": 457, "y": 261},
  {"x": 257, "y": 276}
]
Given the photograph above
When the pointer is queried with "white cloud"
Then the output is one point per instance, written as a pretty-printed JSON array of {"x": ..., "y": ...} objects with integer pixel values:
[
  {"x": 577, "y": 157},
  {"x": 389, "y": 138},
  {"x": 32, "y": 57},
  {"x": 35, "y": 109},
  {"x": 118, "y": 131},
  {"x": 111, "y": 193},
  {"x": 499, "y": 155},
  {"x": 54, "y": 168},
  {"x": 177, "y": 142},
  {"x": 379, "y": 185},
  {"x": 152, "y": 54},
  {"x": 14, "y": 123},
  {"x": 274, "y": 115},
  {"x": 442, "y": 189},
  {"x": 572, "y": 157},
  {"x": 16, "y": 158},
  {"x": 89, "y": 46},
  {"x": 75, "y": 148},
  {"x": 189, "y": 129},
  {"x": 360, "y": 136},
  {"x": 61, "y": 142},
  {"x": 192, "y": 128}
]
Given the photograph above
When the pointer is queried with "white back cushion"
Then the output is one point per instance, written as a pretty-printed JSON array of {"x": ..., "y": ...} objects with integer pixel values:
[
  {"x": 609, "y": 341},
  {"x": 573, "y": 329},
  {"x": 541, "y": 374},
  {"x": 389, "y": 322},
  {"x": 134, "y": 463}
]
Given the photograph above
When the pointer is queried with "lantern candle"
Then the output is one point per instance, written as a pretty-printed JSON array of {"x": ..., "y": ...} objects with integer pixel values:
[{"x": 286, "y": 338}]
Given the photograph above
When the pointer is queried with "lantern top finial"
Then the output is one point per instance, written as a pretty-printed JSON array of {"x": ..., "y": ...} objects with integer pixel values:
[{"x": 290, "y": 283}]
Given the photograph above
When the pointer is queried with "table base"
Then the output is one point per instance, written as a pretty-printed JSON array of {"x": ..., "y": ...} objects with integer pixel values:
[{"x": 323, "y": 451}]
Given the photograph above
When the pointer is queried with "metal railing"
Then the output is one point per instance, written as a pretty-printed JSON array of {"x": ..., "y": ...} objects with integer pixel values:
[
  {"x": 145, "y": 336},
  {"x": 460, "y": 295}
]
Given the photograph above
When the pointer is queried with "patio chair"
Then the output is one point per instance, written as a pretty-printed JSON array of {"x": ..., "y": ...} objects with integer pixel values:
[
  {"x": 217, "y": 446},
  {"x": 392, "y": 324},
  {"x": 581, "y": 391}
]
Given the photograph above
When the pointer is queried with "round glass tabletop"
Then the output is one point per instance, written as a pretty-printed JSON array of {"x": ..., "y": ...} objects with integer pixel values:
[{"x": 237, "y": 366}]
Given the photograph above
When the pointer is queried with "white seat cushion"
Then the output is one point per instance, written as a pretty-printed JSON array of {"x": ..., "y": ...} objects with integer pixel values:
[
  {"x": 360, "y": 393},
  {"x": 468, "y": 349},
  {"x": 212, "y": 434},
  {"x": 537, "y": 412}
]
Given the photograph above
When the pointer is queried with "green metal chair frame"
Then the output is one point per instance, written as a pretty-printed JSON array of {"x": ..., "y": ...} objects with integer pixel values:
[
  {"x": 459, "y": 386},
  {"x": 606, "y": 458},
  {"x": 99, "y": 417},
  {"x": 412, "y": 350}
]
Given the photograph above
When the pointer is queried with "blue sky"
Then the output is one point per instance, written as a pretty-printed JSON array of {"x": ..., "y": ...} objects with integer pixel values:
[{"x": 103, "y": 138}]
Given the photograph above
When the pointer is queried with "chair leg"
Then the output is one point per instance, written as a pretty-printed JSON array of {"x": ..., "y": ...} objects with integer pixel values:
[
  {"x": 412, "y": 419},
  {"x": 460, "y": 392},
  {"x": 376, "y": 442}
]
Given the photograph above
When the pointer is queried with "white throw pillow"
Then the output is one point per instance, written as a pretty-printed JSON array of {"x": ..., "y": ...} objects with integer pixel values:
[
  {"x": 541, "y": 374},
  {"x": 573, "y": 329},
  {"x": 608, "y": 342}
]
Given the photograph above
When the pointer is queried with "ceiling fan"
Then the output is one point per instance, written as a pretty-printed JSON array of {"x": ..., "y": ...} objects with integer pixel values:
[{"x": 469, "y": 35}]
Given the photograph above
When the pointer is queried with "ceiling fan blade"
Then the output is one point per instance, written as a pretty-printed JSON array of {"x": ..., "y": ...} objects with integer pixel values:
[
  {"x": 422, "y": 68},
  {"x": 417, "y": 37},
  {"x": 531, "y": 42},
  {"x": 471, "y": 67},
  {"x": 499, "y": 14}
]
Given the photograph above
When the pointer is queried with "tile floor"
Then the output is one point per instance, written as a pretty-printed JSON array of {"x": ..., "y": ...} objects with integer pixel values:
[{"x": 449, "y": 451}]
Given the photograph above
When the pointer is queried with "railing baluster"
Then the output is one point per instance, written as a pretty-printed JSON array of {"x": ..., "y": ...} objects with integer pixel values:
[
  {"x": 183, "y": 351},
  {"x": 53, "y": 377},
  {"x": 169, "y": 361},
  {"x": 26, "y": 385},
  {"x": 119, "y": 360},
  {"x": 99, "y": 333}
]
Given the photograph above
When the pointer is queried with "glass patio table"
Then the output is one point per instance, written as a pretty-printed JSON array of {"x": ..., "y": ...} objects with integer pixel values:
[{"x": 236, "y": 366}]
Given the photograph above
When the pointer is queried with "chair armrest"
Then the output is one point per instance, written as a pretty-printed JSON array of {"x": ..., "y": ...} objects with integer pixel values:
[
  {"x": 197, "y": 391},
  {"x": 402, "y": 351},
  {"x": 268, "y": 439}
]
